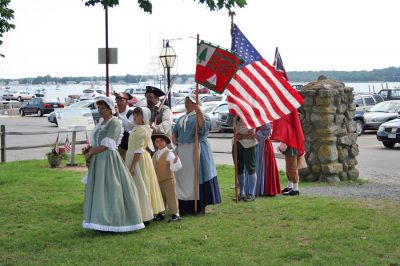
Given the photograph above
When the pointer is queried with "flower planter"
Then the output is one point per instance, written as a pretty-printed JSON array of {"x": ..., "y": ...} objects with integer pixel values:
[{"x": 55, "y": 159}]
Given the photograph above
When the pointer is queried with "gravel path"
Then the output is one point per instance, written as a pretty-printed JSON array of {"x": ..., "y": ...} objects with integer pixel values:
[
  {"x": 378, "y": 186},
  {"x": 370, "y": 190}
]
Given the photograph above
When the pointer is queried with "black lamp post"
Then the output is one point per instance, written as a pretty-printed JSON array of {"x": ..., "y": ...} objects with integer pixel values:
[{"x": 167, "y": 58}]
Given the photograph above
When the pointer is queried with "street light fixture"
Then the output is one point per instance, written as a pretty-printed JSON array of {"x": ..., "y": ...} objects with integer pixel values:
[{"x": 167, "y": 58}]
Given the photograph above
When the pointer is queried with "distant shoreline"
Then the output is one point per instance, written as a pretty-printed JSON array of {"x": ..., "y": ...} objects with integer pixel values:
[{"x": 390, "y": 74}]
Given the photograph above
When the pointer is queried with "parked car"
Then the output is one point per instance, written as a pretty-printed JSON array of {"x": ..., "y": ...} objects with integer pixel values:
[
  {"x": 18, "y": 95},
  {"x": 225, "y": 122},
  {"x": 213, "y": 109},
  {"x": 359, "y": 119},
  {"x": 91, "y": 104},
  {"x": 390, "y": 94},
  {"x": 297, "y": 87},
  {"x": 90, "y": 94},
  {"x": 364, "y": 102},
  {"x": 139, "y": 90},
  {"x": 39, "y": 106},
  {"x": 177, "y": 111},
  {"x": 136, "y": 99},
  {"x": 381, "y": 113},
  {"x": 389, "y": 133},
  {"x": 212, "y": 98}
]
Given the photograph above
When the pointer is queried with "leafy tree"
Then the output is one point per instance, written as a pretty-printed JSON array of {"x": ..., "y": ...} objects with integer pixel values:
[
  {"x": 6, "y": 14},
  {"x": 146, "y": 5}
]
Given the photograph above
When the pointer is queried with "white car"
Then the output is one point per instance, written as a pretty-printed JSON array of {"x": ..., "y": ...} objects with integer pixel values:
[
  {"x": 212, "y": 109},
  {"x": 18, "y": 95},
  {"x": 90, "y": 94}
]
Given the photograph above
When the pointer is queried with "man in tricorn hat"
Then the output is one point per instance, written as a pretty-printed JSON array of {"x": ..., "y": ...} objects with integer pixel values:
[
  {"x": 125, "y": 114},
  {"x": 161, "y": 115}
]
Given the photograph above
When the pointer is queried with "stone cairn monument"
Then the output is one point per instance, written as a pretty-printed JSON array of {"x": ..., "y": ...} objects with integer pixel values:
[{"x": 329, "y": 131}]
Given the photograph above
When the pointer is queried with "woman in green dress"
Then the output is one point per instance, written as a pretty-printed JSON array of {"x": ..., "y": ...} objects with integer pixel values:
[{"x": 111, "y": 201}]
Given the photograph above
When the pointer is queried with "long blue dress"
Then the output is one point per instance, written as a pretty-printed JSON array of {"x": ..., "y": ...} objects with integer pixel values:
[{"x": 208, "y": 188}]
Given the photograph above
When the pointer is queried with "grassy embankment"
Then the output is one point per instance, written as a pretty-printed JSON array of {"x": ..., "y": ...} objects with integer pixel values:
[{"x": 41, "y": 215}]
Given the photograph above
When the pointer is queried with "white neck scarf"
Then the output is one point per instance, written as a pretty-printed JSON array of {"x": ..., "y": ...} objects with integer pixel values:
[{"x": 183, "y": 121}]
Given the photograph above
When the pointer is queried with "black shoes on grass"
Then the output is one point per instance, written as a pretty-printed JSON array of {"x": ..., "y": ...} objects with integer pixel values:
[{"x": 290, "y": 192}]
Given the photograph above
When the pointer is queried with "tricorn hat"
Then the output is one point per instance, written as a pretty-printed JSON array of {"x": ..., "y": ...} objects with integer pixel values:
[
  {"x": 157, "y": 92},
  {"x": 123, "y": 95},
  {"x": 161, "y": 135}
]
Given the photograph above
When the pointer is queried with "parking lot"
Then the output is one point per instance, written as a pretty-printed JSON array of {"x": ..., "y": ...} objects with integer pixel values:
[{"x": 375, "y": 161}]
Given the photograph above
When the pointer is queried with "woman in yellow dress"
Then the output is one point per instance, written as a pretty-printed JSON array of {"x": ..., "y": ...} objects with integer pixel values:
[{"x": 140, "y": 165}]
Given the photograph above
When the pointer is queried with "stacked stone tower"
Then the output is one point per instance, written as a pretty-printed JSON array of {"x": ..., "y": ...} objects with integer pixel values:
[{"x": 329, "y": 130}]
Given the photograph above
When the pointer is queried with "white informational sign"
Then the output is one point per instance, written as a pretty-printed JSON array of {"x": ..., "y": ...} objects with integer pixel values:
[{"x": 74, "y": 119}]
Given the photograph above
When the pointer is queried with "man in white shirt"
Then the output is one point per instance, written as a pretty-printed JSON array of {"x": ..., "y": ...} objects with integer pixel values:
[
  {"x": 161, "y": 115},
  {"x": 125, "y": 114}
]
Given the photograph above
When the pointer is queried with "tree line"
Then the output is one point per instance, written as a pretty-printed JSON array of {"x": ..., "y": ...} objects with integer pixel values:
[
  {"x": 390, "y": 74},
  {"x": 128, "y": 79}
]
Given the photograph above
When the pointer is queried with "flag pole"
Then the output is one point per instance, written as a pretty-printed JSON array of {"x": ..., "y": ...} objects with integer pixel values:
[
  {"x": 231, "y": 14},
  {"x": 196, "y": 144}
]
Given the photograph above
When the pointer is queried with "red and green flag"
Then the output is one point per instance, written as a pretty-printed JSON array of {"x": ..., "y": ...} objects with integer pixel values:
[{"x": 215, "y": 67}]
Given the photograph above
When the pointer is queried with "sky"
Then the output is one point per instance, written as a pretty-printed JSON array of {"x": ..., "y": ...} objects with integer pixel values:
[{"x": 61, "y": 37}]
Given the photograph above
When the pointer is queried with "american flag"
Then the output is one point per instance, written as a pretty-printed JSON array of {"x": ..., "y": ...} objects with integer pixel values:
[
  {"x": 67, "y": 145},
  {"x": 287, "y": 129},
  {"x": 257, "y": 93},
  {"x": 278, "y": 64}
]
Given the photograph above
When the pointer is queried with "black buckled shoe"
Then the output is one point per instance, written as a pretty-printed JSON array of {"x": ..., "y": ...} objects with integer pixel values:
[
  {"x": 175, "y": 218},
  {"x": 159, "y": 217},
  {"x": 292, "y": 193},
  {"x": 250, "y": 198},
  {"x": 240, "y": 197},
  {"x": 286, "y": 190}
]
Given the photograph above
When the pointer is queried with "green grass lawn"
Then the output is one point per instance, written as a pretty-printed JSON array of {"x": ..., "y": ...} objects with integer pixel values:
[{"x": 41, "y": 216}]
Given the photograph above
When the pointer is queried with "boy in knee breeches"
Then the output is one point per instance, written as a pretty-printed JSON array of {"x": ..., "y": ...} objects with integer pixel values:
[{"x": 163, "y": 158}]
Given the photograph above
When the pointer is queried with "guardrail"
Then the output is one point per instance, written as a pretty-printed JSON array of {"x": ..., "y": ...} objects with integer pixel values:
[
  {"x": 4, "y": 148},
  {"x": 10, "y": 104}
]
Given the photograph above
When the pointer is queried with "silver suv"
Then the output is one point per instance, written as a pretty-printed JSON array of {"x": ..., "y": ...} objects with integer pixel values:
[{"x": 364, "y": 102}]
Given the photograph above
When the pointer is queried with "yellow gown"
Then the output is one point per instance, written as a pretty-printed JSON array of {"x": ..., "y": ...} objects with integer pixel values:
[{"x": 139, "y": 139}]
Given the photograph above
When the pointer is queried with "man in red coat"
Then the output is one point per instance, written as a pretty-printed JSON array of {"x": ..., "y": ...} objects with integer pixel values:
[{"x": 289, "y": 132}]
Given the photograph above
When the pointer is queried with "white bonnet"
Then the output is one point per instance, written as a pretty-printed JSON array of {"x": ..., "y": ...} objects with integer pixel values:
[
  {"x": 146, "y": 115},
  {"x": 108, "y": 101},
  {"x": 192, "y": 98}
]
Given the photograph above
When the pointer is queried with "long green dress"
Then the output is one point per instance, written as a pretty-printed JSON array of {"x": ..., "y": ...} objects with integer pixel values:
[{"x": 111, "y": 202}]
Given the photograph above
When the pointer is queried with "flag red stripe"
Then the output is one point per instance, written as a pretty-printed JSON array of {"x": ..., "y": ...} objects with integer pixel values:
[
  {"x": 247, "y": 118},
  {"x": 285, "y": 105},
  {"x": 284, "y": 83},
  {"x": 258, "y": 102},
  {"x": 267, "y": 91}
]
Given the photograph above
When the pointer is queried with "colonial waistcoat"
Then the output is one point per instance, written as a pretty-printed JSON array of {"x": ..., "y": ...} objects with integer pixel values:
[
  {"x": 156, "y": 115},
  {"x": 162, "y": 168}
]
